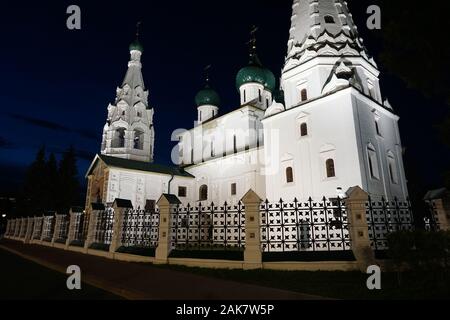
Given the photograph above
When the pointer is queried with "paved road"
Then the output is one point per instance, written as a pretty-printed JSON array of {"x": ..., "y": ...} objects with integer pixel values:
[{"x": 144, "y": 281}]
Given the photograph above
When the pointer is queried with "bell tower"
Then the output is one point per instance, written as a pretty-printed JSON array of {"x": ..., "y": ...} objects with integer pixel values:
[{"x": 129, "y": 132}]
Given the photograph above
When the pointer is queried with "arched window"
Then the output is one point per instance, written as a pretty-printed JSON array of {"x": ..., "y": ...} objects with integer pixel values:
[
  {"x": 203, "y": 193},
  {"x": 138, "y": 140},
  {"x": 331, "y": 172},
  {"x": 373, "y": 162},
  {"x": 393, "y": 174},
  {"x": 119, "y": 138},
  {"x": 304, "y": 94},
  {"x": 329, "y": 19},
  {"x": 303, "y": 129},
  {"x": 289, "y": 175},
  {"x": 213, "y": 153}
]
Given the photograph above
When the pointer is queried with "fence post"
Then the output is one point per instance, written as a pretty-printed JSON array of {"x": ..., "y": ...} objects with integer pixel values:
[
  {"x": 442, "y": 211},
  {"x": 119, "y": 206},
  {"x": 29, "y": 231},
  {"x": 165, "y": 203},
  {"x": 252, "y": 253},
  {"x": 359, "y": 228},
  {"x": 90, "y": 238}
]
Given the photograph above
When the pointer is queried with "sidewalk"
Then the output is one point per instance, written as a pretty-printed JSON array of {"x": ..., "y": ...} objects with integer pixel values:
[{"x": 143, "y": 281}]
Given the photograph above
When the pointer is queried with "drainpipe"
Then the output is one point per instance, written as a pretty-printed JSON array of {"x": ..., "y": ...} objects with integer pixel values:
[{"x": 170, "y": 181}]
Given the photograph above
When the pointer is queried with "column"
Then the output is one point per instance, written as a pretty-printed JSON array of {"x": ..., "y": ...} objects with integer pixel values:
[
  {"x": 252, "y": 253},
  {"x": 166, "y": 204},
  {"x": 442, "y": 211},
  {"x": 358, "y": 227}
]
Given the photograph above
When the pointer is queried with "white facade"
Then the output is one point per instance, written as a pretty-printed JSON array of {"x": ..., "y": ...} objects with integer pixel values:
[
  {"x": 333, "y": 130},
  {"x": 140, "y": 187}
]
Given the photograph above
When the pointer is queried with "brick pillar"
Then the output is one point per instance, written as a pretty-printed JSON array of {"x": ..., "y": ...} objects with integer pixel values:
[
  {"x": 90, "y": 238},
  {"x": 252, "y": 253},
  {"x": 166, "y": 203},
  {"x": 358, "y": 227},
  {"x": 119, "y": 206},
  {"x": 29, "y": 231},
  {"x": 442, "y": 211}
]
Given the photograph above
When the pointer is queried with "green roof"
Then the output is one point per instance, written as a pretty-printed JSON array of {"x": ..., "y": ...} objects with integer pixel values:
[
  {"x": 143, "y": 166},
  {"x": 207, "y": 96},
  {"x": 255, "y": 72},
  {"x": 136, "y": 45}
]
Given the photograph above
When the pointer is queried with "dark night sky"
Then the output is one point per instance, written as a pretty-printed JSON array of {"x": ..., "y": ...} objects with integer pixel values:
[{"x": 56, "y": 84}]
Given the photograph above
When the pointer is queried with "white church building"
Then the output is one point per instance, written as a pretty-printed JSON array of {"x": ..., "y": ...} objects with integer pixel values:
[{"x": 323, "y": 129}]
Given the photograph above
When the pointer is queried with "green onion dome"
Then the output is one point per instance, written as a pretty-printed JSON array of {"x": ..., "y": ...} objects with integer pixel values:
[
  {"x": 270, "y": 83},
  {"x": 255, "y": 72},
  {"x": 207, "y": 96},
  {"x": 136, "y": 45}
]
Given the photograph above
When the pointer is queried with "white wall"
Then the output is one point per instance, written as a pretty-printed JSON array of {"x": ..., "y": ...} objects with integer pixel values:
[
  {"x": 141, "y": 186},
  {"x": 331, "y": 134},
  {"x": 242, "y": 169}
]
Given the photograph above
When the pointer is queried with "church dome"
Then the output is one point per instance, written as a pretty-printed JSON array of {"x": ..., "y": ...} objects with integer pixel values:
[
  {"x": 255, "y": 72},
  {"x": 270, "y": 83},
  {"x": 207, "y": 96},
  {"x": 136, "y": 45}
]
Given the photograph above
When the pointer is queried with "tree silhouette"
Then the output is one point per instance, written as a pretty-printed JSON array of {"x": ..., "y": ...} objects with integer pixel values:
[{"x": 69, "y": 186}]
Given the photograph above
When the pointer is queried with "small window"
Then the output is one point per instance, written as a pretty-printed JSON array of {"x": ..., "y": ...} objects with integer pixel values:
[
  {"x": 304, "y": 95},
  {"x": 303, "y": 130},
  {"x": 245, "y": 96},
  {"x": 233, "y": 189},
  {"x": 329, "y": 19},
  {"x": 235, "y": 144},
  {"x": 182, "y": 192},
  {"x": 213, "y": 153},
  {"x": 139, "y": 115},
  {"x": 373, "y": 163},
  {"x": 377, "y": 128},
  {"x": 393, "y": 174},
  {"x": 289, "y": 175},
  {"x": 260, "y": 96},
  {"x": 267, "y": 103},
  {"x": 200, "y": 116},
  {"x": 123, "y": 113},
  {"x": 331, "y": 171},
  {"x": 203, "y": 193}
]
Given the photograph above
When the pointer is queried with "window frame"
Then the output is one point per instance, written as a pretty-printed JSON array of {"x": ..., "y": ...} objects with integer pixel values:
[
  {"x": 330, "y": 166},
  {"x": 289, "y": 175},
  {"x": 180, "y": 193}
]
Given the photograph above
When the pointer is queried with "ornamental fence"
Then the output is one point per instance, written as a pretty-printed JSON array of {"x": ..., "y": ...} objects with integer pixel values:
[
  {"x": 140, "y": 229},
  {"x": 212, "y": 226},
  {"x": 385, "y": 217},
  {"x": 288, "y": 228}
]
